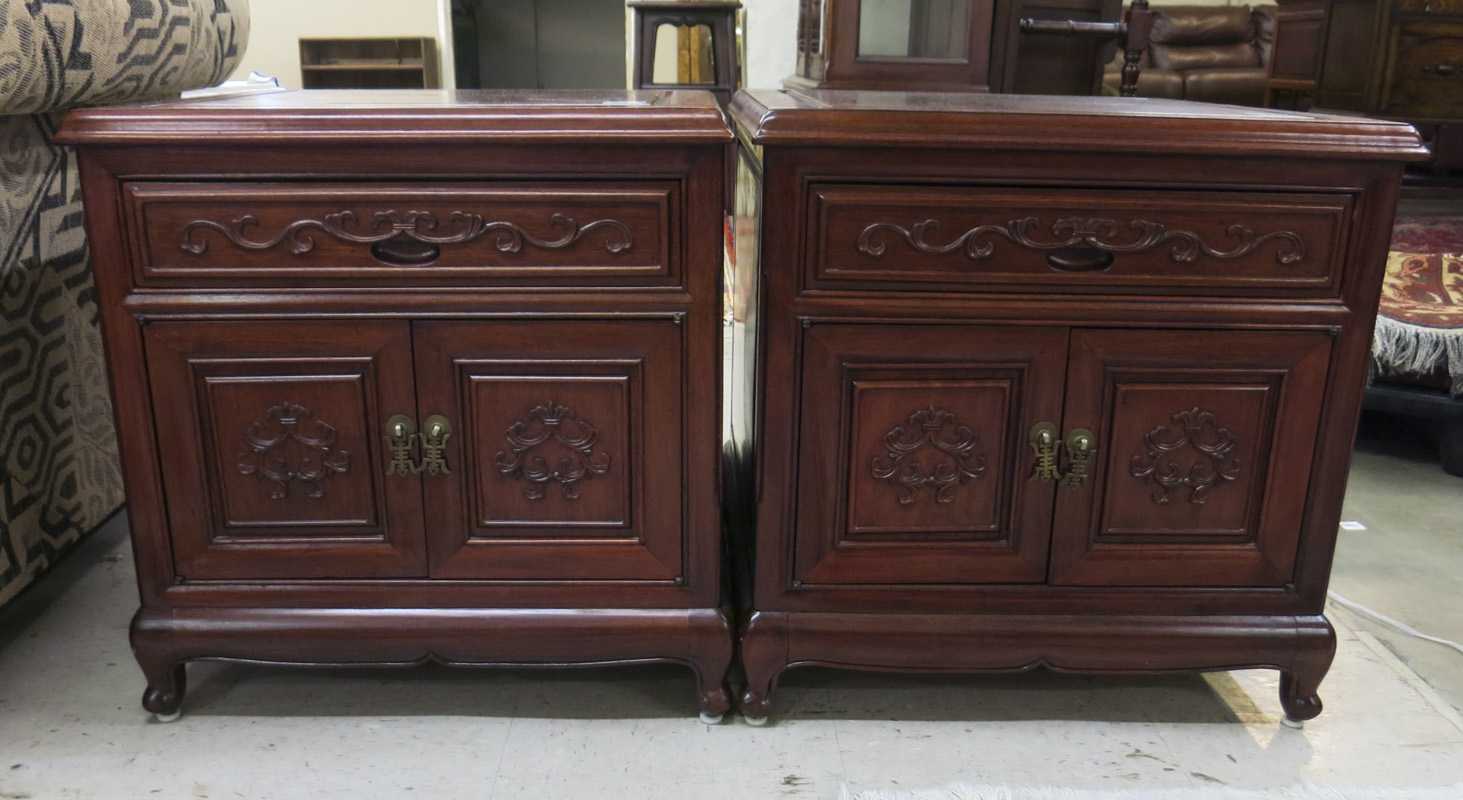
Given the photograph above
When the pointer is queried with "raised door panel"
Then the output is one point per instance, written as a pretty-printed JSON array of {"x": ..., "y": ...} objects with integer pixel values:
[
  {"x": 1204, "y": 442},
  {"x": 565, "y": 460},
  {"x": 272, "y": 437},
  {"x": 914, "y": 464}
]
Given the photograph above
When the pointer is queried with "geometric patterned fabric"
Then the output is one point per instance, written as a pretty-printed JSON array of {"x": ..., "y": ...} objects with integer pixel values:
[{"x": 59, "y": 476}]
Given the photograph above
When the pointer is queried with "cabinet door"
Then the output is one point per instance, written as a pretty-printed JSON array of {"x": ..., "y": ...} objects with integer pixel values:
[
  {"x": 1204, "y": 447},
  {"x": 913, "y": 460},
  {"x": 566, "y": 456},
  {"x": 272, "y": 437}
]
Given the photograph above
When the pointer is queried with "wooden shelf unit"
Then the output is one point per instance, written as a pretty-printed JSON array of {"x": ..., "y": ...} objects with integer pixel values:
[{"x": 375, "y": 63}]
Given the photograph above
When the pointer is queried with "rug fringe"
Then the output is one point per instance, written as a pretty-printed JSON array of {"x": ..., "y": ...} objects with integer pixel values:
[
  {"x": 960, "y": 791},
  {"x": 1400, "y": 347}
]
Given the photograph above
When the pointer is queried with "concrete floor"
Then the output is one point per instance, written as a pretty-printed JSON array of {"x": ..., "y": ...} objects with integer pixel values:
[
  {"x": 70, "y": 725},
  {"x": 1408, "y": 563}
]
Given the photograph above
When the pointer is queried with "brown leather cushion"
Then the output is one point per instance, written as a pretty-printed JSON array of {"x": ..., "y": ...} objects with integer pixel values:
[
  {"x": 1245, "y": 87},
  {"x": 1209, "y": 56},
  {"x": 1195, "y": 25}
]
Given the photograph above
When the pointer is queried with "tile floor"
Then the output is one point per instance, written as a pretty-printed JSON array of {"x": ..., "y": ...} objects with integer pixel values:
[{"x": 70, "y": 726}]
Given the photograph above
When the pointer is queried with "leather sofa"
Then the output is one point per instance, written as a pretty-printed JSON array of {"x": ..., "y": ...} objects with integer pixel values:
[
  {"x": 59, "y": 476},
  {"x": 1216, "y": 54}
]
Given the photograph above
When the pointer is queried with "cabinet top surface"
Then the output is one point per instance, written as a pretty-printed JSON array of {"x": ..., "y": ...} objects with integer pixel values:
[
  {"x": 407, "y": 115},
  {"x": 1048, "y": 122}
]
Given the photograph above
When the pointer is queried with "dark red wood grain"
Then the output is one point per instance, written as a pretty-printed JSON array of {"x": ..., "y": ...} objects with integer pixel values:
[
  {"x": 1256, "y": 355},
  {"x": 208, "y": 343}
]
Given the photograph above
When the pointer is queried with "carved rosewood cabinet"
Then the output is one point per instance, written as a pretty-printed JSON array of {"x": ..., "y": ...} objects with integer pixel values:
[
  {"x": 1062, "y": 382},
  {"x": 408, "y": 377}
]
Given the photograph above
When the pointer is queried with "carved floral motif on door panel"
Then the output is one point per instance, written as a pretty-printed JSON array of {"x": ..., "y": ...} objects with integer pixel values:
[
  {"x": 927, "y": 457},
  {"x": 1190, "y": 456},
  {"x": 554, "y": 451},
  {"x": 289, "y": 452},
  {"x": 1186, "y": 460},
  {"x": 293, "y": 450},
  {"x": 526, "y": 458},
  {"x": 933, "y": 453}
]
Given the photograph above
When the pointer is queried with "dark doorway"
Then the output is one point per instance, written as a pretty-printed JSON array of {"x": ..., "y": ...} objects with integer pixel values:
[{"x": 539, "y": 44}]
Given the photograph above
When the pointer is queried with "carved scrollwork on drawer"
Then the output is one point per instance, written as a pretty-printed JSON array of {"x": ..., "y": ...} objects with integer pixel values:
[
  {"x": 1106, "y": 235},
  {"x": 557, "y": 422},
  {"x": 940, "y": 431},
  {"x": 1196, "y": 429},
  {"x": 289, "y": 445},
  {"x": 417, "y": 226}
]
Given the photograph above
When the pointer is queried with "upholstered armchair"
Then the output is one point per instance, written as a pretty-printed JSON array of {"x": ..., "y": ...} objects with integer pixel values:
[
  {"x": 1215, "y": 54},
  {"x": 58, "y": 452}
]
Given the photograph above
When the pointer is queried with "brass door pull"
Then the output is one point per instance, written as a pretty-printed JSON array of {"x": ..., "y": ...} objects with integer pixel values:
[
  {"x": 1044, "y": 443},
  {"x": 435, "y": 434},
  {"x": 1081, "y": 449},
  {"x": 401, "y": 436}
]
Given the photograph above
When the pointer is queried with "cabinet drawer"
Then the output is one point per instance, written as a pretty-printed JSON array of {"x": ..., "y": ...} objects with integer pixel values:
[
  {"x": 303, "y": 234},
  {"x": 1426, "y": 73},
  {"x": 982, "y": 238}
]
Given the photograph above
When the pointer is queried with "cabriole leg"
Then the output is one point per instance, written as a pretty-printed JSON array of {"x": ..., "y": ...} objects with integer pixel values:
[
  {"x": 166, "y": 685},
  {"x": 712, "y": 662},
  {"x": 1300, "y": 685},
  {"x": 764, "y": 657}
]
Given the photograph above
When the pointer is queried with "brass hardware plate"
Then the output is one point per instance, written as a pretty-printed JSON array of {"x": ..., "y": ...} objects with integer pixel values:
[
  {"x": 1045, "y": 440},
  {"x": 435, "y": 433},
  {"x": 401, "y": 436},
  {"x": 1081, "y": 451}
]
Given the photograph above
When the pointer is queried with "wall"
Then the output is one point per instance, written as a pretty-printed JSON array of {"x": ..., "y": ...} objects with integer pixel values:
[
  {"x": 557, "y": 44},
  {"x": 771, "y": 38},
  {"x": 278, "y": 25}
]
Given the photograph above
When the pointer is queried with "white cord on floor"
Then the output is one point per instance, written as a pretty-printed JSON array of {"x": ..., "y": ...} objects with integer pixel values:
[{"x": 1378, "y": 616}]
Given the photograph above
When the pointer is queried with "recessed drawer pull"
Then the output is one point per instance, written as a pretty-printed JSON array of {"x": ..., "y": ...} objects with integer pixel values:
[
  {"x": 1080, "y": 259},
  {"x": 405, "y": 252}
]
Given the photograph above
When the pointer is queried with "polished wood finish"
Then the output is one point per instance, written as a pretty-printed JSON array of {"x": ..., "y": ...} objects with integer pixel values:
[
  {"x": 239, "y": 401},
  {"x": 1182, "y": 292},
  {"x": 345, "y": 233},
  {"x": 960, "y": 238},
  {"x": 568, "y": 453},
  {"x": 1202, "y": 441},
  {"x": 528, "y": 283},
  {"x": 1402, "y": 59},
  {"x": 828, "y": 53},
  {"x": 999, "y": 56},
  {"x": 1033, "y": 62},
  {"x": 719, "y": 16},
  {"x": 890, "y": 509},
  {"x": 1424, "y": 68},
  {"x": 1301, "y": 31}
]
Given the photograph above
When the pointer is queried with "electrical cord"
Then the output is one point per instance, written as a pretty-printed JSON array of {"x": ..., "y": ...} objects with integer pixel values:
[{"x": 1377, "y": 616}]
